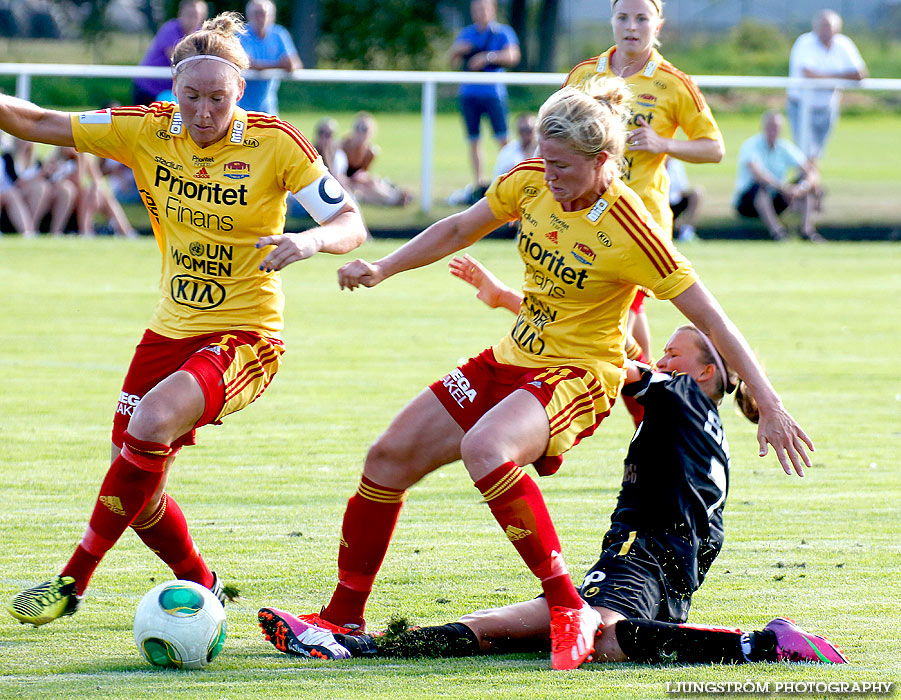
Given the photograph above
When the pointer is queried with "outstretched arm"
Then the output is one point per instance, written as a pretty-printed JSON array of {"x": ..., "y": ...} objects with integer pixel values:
[
  {"x": 27, "y": 121},
  {"x": 491, "y": 290},
  {"x": 340, "y": 234},
  {"x": 441, "y": 238},
  {"x": 776, "y": 426}
]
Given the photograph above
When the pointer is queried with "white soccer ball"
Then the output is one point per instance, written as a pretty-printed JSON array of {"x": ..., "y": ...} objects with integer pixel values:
[{"x": 179, "y": 624}]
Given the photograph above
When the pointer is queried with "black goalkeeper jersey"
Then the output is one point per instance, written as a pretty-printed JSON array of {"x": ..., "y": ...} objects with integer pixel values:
[{"x": 676, "y": 472}]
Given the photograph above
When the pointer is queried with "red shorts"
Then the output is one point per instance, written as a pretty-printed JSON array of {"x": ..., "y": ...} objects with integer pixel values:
[
  {"x": 233, "y": 368},
  {"x": 573, "y": 398}
]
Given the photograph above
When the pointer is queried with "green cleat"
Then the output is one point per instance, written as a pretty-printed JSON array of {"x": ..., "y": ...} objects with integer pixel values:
[{"x": 45, "y": 602}]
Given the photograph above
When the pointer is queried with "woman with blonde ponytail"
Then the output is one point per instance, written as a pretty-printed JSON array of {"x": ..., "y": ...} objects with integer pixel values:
[{"x": 587, "y": 242}]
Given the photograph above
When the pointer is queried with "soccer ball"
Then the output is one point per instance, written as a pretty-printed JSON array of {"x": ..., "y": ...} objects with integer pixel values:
[{"x": 179, "y": 624}]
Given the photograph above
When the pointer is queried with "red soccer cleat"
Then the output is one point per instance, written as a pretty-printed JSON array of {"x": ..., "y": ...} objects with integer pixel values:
[{"x": 572, "y": 635}]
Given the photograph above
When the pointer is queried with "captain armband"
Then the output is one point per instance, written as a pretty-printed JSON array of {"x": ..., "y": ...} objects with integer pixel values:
[{"x": 323, "y": 198}]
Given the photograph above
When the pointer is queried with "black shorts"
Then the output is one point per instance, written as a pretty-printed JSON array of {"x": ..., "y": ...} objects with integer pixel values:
[
  {"x": 746, "y": 207},
  {"x": 636, "y": 577}
]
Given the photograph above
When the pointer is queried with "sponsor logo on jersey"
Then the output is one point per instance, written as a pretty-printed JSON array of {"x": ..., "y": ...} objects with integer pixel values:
[
  {"x": 127, "y": 403},
  {"x": 202, "y": 174},
  {"x": 162, "y": 135},
  {"x": 649, "y": 69},
  {"x": 198, "y": 161},
  {"x": 113, "y": 503},
  {"x": 602, "y": 64},
  {"x": 100, "y": 116},
  {"x": 251, "y": 142},
  {"x": 557, "y": 222},
  {"x": 175, "y": 208},
  {"x": 551, "y": 236},
  {"x": 150, "y": 203},
  {"x": 597, "y": 210},
  {"x": 514, "y": 533},
  {"x": 212, "y": 259},
  {"x": 551, "y": 260},
  {"x": 236, "y": 170},
  {"x": 237, "y": 135},
  {"x": 168, "y": 163},
  {"x": 215, "y": 349},
  {"x": 458, "y": 387},
  {"x": 196, "y": 292},
  {"x": 583, "y": 253},
  {"x": 660, "y": 84},
  {"x": 604, "y": 239},
  {"x": 175, "y": 128},
  {"x": 530, "y": 191}
]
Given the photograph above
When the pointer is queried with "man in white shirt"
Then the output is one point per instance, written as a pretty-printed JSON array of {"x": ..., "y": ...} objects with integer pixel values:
[{"x": 822, "y": 53}]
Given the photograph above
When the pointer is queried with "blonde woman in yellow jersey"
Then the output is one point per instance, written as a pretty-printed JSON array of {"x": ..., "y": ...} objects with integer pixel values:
[
  {"x": 214, "y": 179},
  {"x": 663, "y": 100},
  {"x": 587, "y": 243}
]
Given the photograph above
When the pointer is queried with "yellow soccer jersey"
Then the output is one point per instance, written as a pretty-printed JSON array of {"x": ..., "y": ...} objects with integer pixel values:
[
  {"x": 208, "y": 206},
  {"x": 582, "y": 270},
  {"x": 666, "y": 98}
]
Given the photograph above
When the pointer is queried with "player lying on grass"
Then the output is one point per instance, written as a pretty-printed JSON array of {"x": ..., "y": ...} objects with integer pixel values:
[{"x": 665, "y": 532}]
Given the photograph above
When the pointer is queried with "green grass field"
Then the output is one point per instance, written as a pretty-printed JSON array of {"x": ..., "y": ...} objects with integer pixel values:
[{"x": 264, "y": 493}]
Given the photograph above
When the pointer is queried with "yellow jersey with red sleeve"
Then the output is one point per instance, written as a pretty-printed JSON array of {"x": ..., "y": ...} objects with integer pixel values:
[
  {"x": 208, "y": 206},
  {"x": 582, "y": 271},
  {"x": 667, "y": 99}
]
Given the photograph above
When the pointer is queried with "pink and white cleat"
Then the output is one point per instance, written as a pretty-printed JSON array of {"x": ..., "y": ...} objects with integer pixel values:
[{"x": 794, "y": 644}]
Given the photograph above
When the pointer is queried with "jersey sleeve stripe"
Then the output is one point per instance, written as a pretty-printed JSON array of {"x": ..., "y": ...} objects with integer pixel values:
[
  {"x": 656, "y": 247},
  {"x": 641, "y": 244},
  {"x": 533, "y": 164},
  {"x": 293, "y": 132},
  {"x": 576, "y": 67},
  {"x": 688, "y": 83}
]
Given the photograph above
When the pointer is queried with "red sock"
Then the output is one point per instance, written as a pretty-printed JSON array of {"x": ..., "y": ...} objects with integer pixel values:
[
  {"x": 369, "y": 522},
  {"x": 125, "y": 492},
  {"x": 519, "y": 508},
  {"x": 166, "y": 533}
]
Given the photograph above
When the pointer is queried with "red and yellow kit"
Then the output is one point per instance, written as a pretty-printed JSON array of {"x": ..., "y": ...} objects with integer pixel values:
[
  {"x": 667, "y": 99},
  {"x": 208, "y": 206},
  {"x": 582, "y": 270}
]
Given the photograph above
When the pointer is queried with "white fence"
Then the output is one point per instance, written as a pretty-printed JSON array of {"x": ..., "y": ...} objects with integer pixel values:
[{"x": 429, "y": 80}]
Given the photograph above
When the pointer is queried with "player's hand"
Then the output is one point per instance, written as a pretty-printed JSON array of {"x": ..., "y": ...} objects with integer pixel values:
[
  {"x": 644, "y": 138},
  {"x": 359, "y": 273},
  {"x": 779, "y": 429},
  {"x": 289, "y": 248},
  {"x": 472, "y": 271}
]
